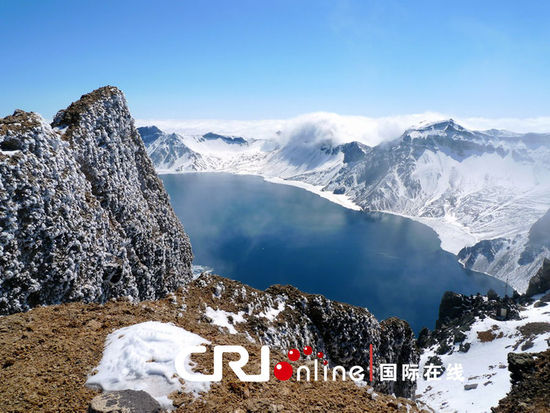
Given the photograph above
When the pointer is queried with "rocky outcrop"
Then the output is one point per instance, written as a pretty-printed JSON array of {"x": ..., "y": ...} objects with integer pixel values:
[
  {"x": 149, "y": 134},
  {"x": 124, "y": 401},
  {"x": 460, "y": 309},
  {"x": 458, "y": 312},
  {"x": 398, "y": 345},
  {"x": 530, "y": 374},
  {"x": 540, "y": 283},
  {"x": 83, "y": 215},
  {"x": 284, "y": 317}
]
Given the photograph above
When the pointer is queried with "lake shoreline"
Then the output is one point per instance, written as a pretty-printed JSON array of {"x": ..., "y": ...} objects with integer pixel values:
[
  {"x": 452, "y": 237},
  {"x": 263, "y": 235}
]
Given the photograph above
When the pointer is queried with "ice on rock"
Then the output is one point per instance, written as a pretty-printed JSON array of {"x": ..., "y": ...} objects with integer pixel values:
[{"x": 225, "y": 319}]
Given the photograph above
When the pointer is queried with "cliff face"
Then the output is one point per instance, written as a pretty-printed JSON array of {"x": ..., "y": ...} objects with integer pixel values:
[{"x": 83, "y": 215}]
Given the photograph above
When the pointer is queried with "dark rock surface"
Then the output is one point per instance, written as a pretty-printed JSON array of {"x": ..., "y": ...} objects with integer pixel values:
[
  {"x": 486, "y": 248},
  {"x": 149, "y": 134},
  {"x": 397, "y": 345},
  {"x": 540, "y": 283},
  {"x": 232, "y": 140},
  {"x": 530, "y": 375},
  {"x": 83, "y": 215},
  {"x": 457, "y": 313},
  {"x": 124, "y": 401},
  {"x": 342, "y": 332}
]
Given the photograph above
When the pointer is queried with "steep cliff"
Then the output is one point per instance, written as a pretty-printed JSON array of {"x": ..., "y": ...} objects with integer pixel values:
[{"x": 83, "y": 215}]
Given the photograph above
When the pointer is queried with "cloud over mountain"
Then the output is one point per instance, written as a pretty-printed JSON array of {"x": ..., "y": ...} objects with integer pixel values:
[{"x": 320, "y": 126}]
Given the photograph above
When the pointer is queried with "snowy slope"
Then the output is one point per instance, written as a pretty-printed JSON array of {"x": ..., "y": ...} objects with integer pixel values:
[
  {"x": 469, "y": 186},
  {"x": 485, "y": 363}
]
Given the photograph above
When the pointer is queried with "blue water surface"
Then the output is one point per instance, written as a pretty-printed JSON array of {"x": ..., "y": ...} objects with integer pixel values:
[{"x": 262, "y": 234}]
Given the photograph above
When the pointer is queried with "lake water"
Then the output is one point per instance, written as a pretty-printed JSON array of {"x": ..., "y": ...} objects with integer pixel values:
[{"x": 262, "y": 234}]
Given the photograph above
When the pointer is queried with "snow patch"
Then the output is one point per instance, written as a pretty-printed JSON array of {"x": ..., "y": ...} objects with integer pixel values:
[
  {"x": 221, "y": 318},
  {"x": 485, "y": 364},
  {"x": 141, "y": 357},
  {"x": 271, "y": 313},
  {"x": 198, "y": 270}
]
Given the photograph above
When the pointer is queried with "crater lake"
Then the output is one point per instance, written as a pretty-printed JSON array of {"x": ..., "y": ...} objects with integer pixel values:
[{"x": 262, "y": 233}]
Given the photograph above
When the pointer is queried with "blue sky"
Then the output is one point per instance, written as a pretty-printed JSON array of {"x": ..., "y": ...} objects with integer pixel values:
[{"x": 277, "y": 59}]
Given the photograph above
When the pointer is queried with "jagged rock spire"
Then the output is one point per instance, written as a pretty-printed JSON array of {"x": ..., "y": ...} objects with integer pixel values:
[{"x": 82, "y": 212}]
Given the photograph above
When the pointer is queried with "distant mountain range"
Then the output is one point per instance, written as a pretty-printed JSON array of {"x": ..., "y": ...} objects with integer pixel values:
[{"x": 486, "y": 194}]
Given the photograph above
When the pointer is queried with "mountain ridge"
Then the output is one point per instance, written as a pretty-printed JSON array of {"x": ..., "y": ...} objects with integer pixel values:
[{"x": 469, "y": 186}]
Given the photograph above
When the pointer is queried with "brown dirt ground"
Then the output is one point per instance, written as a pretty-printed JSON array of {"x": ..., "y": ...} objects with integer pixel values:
[{"x": 47, "y": 353}]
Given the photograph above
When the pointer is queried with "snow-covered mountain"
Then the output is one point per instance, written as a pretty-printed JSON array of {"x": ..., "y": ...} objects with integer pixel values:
[{"x": 484, "y": 193}]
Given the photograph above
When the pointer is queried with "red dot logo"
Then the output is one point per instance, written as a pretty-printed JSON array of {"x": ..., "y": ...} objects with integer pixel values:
[
  {"x": 308, "y": 350},
  {"x": 320, "y": 355},
  {"x": 283, "y": 371},
  {"x": 293, "y": 354},
  {"x": 325, "y": 362}
]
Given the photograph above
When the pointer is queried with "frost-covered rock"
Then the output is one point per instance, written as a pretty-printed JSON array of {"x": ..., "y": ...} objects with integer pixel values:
[
  {"x": 284, "y": 317},
  {"x": 83, "y": 215}
]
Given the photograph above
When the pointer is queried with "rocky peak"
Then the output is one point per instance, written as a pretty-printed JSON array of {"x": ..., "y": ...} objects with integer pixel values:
[
  {"x": 232, "y": 140},
  {"x": 107, "y": 96},
  {"x": 149, "y": 134},
  {"x": 447, "y": 137},
  {"x": 353, "y": 151},
  {"x": 82, "y": 212},
  {"x": 448, "y": 126},
  {"x": 439, "y": 131}
]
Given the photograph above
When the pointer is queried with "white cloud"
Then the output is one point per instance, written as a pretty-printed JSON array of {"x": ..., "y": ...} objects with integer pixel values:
[
  {"x": 322, "y": 126},
  {"x": 522, "y": 125}
]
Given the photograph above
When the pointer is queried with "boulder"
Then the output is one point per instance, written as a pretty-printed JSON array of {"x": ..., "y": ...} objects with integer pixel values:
[{"x": 125, "y": 401}]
